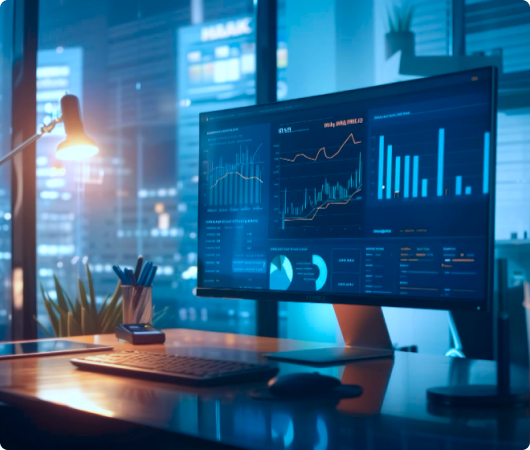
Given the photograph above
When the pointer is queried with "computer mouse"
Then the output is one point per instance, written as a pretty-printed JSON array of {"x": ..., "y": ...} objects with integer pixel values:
[{"x": 302, "y": 384}]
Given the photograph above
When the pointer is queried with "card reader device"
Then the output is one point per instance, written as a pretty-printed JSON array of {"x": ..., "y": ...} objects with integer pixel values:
[{"x": 140, "y": 333}]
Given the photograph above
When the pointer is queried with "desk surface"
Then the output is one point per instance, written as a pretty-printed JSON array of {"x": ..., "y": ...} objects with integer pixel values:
[{"x": 391, "y": 413}]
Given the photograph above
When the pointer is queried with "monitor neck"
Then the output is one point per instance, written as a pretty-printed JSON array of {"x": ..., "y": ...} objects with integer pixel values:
[{"x": 363, "y": 326}]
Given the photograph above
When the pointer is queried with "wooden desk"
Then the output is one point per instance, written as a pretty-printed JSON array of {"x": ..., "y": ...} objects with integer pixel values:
[{"x": 392, "y": 412}]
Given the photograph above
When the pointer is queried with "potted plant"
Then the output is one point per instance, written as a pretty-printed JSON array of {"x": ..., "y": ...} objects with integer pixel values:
[
  {"x": 82, "y": 316},
  {"x": 399, "y": 36}
]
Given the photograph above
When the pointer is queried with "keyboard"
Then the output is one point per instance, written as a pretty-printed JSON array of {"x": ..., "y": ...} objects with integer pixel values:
[{"x": 174, "y": 368}]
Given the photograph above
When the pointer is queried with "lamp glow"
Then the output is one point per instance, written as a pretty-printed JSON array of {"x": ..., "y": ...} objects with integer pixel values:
[
  {"x": 76, "y": 152},
  {"x": 77, "y": 145}
]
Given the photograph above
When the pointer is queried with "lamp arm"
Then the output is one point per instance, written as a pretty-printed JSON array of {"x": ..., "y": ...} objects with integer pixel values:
[{"x": 44, "y": 129}]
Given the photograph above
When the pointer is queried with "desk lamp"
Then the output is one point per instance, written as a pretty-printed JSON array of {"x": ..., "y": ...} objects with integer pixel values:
[{"x": 77, "y": 145}]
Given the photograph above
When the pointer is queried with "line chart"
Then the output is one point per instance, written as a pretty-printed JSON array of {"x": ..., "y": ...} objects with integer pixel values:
[
  {"x": 323, "y": 150},
  {"x": 320, "y": 208},
  {"x": 319, "y": 177},
  {"x": 239, "y": 181},
  {"x": 236, "y": 173},
  {"x": 324, "y": 193}
]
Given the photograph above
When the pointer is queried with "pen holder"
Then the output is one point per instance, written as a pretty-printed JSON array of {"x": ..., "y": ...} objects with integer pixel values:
[{"x": 137, "y": 304}]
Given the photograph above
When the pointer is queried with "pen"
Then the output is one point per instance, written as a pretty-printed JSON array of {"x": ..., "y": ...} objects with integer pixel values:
[
  {"x": 120, "y": 274},
  {"x": 129, "y": 274},
  {"x": 151, "y": 277},
  {"x": 138, "y": 269},
  {"x": 145, "y": 273}
]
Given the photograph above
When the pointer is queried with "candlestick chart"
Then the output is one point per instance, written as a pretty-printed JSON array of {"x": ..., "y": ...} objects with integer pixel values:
[{"x": 320, "y": 187}]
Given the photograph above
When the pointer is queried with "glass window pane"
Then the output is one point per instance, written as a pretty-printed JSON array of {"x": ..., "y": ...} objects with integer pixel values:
[
  {"x": 360, "y": 50},
  {"x": 143, "y": 71},
  {"x": 356, "y": 52},
  {"x": 6, "y": 61}
]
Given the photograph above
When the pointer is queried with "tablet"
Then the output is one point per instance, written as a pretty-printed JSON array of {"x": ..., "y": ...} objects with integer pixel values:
[{"x": 47, "y": 347}]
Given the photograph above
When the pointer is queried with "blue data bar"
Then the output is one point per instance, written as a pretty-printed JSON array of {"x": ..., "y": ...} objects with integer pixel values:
[
  {"x": 381, "y": 166},
  {"x": 415, "y": 175},
  {"x": 486, "y": 176},
  {"x": 388, "y": 186},
  {"x": 407, "y": 177},
  {"x": 441, "y": 148},
  {"x": 231, "y": 191},
  {"x": 398, "y": 173},
  {"x": 458, "y": 186},
  {"x": 468, "y": 190},
  {"x": 424, "y": 187},
  {"x": 225, "y": 190}
]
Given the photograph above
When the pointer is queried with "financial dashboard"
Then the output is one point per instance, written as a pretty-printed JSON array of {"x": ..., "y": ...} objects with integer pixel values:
[{"x": 375, "y": 196}]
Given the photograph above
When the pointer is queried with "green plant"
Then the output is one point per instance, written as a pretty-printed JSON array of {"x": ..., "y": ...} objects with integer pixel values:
[
  {"x": 81, "y": 317},
  {"x": 400, "y": 17}
]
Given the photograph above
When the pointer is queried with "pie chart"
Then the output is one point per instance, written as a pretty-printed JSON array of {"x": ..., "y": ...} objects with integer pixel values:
[{"x": 281, "y": 273}]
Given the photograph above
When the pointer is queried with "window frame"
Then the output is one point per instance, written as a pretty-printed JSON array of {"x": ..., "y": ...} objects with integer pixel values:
[{"x": 23, "y": 170}]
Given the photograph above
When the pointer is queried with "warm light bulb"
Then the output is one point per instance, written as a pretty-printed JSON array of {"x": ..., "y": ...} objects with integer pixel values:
[{"x": 77, "y": 152}]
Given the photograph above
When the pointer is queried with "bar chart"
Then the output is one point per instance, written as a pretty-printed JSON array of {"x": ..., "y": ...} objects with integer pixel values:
[
  {"x": 429, "y": 174},
  {"x": 237, "y": 182},
  {"x": 317, "y": 200}
]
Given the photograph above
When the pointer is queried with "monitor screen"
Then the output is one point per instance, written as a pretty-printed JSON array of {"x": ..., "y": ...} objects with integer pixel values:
[{"x": 378, "y": 196}]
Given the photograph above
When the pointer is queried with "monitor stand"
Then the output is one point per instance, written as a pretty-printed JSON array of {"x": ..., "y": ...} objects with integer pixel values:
[
  {"x": 502, "y": 393},
  {"x": 365, "y": 337}
]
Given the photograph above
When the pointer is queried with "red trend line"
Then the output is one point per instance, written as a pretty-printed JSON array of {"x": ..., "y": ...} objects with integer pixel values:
[
  {"x": 235, "y": 173},
  {"x": 323, "y": 149},
  {"x": 316, "y": 210}
]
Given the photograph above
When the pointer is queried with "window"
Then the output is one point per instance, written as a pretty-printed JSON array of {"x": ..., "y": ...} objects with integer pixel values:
[
  {"x": 356, "y": 55},
  {"x": 143, "y": 71},
  {"x": 508, "y": 36},
  {"x": 6, "y": 59},
  {"x": 351, "y": 54}
]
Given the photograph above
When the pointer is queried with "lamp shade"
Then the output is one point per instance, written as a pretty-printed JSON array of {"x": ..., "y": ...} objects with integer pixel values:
[{"x": 77, "y": 145}]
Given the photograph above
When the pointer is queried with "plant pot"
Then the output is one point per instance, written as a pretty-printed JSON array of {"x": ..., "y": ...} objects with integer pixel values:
[{"x": 399, "y": 40}]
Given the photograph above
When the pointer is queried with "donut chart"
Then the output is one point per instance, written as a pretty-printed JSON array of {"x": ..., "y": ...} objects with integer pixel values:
[{"x": 323, "y": 272}]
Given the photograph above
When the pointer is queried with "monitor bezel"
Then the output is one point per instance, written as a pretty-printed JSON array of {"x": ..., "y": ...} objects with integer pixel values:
[{"x": 375, "y": 299}]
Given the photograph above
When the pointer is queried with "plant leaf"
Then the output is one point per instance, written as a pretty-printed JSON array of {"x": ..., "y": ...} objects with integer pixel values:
[
  {"x": 83, "y": 321},
  {"x": 61, "y": 302},
  {"x": 82, "y": 294},
  {"x": 102, "y": 309},
  {"x": 93, "y": 307},
  {"x": 115, "y": 320},
  {"x": 70, "y": 304},
  {"x": 63, "y": 317},
  {"x": 159, "y": 318},
  {"x": 77, "y": 310},
  {"x": 60, "y": 294},
  {"x": 73, "y": 328},
  {"x": 84, "y": 303},
  {"x": 115, "y": 316},
  {"x": 61, "y": 329},
  {"x": 111, "y": 307},
  {"x": 43, "y": 327},
  {"x": 53, "y": 319}
]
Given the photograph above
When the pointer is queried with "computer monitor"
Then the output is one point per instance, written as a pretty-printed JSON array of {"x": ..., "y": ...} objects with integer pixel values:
[{"x": 381, "y": 196}]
